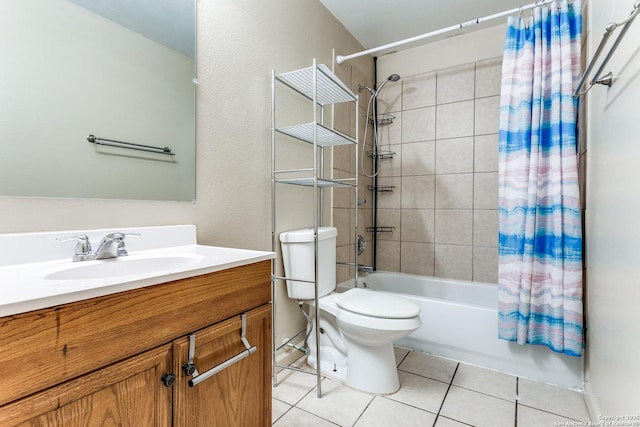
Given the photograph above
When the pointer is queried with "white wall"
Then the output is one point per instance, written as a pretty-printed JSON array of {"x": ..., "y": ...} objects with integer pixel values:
[
  {"x": 612, "y": 232},
  {"x": 456, "y": 50},
  {"x": 239, "y": 43}
]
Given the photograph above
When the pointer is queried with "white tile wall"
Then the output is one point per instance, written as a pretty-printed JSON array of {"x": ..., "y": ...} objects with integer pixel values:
[
  {"x": 417, "y": 191},
  {"x": 417, "y": 258},
  {"x": 417, "y": 225},
  {"x": 454, "y": 155},
  {"x": 454, "y": 261},
  {"x": 390, "y": 99},
  {"x": 455, "y": 120},
  {"x": 488, "y": 73},
  {"x": 485, "y": 155},
  {"x": 485, "y": 190},
  {"x": 454, "y": 226},
  {"x": 419, "y": 91},
  {"x": 418, "y": 158},
  {"x": 419, "y": 124},
  {"x": 454, "y": 191},
  {"x": 487, "y": 114},
  {"x": 456, "y": 84},
  {"x": 444, "y": 206}
]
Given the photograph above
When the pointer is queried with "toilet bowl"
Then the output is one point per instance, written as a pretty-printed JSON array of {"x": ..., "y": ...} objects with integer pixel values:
[{"x": 357, "y": 327}]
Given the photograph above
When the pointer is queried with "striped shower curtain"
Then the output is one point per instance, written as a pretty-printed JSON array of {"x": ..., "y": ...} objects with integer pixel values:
[{"x": 540, "y": 234}]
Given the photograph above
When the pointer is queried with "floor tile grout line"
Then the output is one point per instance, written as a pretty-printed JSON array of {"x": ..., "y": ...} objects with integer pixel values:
[
  {"x": 517, "y": 400},
  {"x": 388, "y": 397},
  {"x": 318, "y": 416},
  {"x": 281, "y": 415},
  {"x": 403, "y": 359},
  {"x": 424, "y": 376},
  {"x": 551, "y": 413},
  {"x": 484, "y": 393},
  {"x": 454, "y": 420},
  {"x": 306, "y": 394},
  {"x": 445, "y": 394},
  {"x": 365, "y": 409}
]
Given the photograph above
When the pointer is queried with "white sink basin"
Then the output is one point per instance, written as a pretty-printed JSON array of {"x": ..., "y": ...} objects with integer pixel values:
[
  {"x": 36, "y": 270},
  {"x": 123, "y": 266}
]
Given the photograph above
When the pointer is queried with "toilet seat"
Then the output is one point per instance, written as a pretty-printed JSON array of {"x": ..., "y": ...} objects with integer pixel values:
[{"x": 379, "y": 305}]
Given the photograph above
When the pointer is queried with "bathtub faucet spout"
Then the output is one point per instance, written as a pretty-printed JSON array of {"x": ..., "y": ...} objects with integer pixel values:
[{"x": 365, "y": 268}]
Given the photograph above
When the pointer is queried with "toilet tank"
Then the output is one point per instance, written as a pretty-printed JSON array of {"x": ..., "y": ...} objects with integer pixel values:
[{"x": 299, "y": 259}]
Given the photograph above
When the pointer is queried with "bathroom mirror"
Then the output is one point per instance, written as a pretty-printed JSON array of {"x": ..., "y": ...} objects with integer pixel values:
[{"x": 122, "y": 70}]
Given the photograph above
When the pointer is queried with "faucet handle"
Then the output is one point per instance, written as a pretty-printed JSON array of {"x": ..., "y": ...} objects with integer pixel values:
[
  {"x": 120, "y": 235},
  {"x": 122, "y": 251},
  {"x": 83, "y": 247}
]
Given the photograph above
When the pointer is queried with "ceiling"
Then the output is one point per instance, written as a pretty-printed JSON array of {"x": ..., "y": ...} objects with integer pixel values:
[
  {"x": 170, "y": 23},
  {"x": 378, "y": 22}
]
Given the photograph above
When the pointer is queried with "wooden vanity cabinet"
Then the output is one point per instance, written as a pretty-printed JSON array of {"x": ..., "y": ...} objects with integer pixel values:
[
  {"x": 117, "y": 359},
  {"x": 128, "y": 393}
]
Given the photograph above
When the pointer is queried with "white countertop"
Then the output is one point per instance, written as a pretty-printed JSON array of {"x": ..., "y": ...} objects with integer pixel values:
[{"x": 27, "y": 286}]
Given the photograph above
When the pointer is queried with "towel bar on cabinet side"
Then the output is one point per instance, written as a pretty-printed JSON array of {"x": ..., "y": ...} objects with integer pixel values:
[{"x": 190, "y": 367}]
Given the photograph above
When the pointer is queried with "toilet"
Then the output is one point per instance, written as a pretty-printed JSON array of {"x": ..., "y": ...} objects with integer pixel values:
[{"x": 357, "y": 327}]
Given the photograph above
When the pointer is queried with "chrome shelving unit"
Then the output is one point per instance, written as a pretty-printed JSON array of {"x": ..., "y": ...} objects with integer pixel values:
[{"x": 320, "y": 86}]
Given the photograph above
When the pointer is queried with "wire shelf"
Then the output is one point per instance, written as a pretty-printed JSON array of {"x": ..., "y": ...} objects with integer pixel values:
[
  {"x": 382, "y": 154},
  {"x": 322, "y": 183},
  {"x": 382, "y": 188},
  {"x": 326, "y": 137},
  {"x": 383, "y": 119},
  {"x": 380, "y": 229},
  {"x": 330, "y": 89}
]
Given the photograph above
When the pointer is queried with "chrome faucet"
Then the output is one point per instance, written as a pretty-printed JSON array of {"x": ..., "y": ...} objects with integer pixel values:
[
  {"x": 83, "y": 247},
  {"x": 111, "y": 246}
]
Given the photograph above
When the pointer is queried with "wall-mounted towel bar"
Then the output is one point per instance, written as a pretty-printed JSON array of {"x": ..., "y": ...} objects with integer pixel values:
[
  {"x": 608, "y": 31},
  {"x": 129, "y": 145},
  {"x": 190, "y": 367}
]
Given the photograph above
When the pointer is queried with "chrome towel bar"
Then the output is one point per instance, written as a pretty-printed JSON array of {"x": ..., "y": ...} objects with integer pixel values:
[
  {"x": 608, "y": 31},
  {"x": 129, "y": 145},
  {"x": 190, "y": 367}
]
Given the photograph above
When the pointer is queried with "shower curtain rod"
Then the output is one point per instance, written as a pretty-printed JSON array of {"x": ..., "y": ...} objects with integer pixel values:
[{"x": 340, "y": 58}]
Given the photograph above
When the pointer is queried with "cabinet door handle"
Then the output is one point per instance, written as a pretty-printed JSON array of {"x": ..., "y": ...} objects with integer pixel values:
[{"x": 198, "y": 378}]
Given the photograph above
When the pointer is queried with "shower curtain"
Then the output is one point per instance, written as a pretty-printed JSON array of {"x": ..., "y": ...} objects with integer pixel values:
[{"x": 540, "y": 233}]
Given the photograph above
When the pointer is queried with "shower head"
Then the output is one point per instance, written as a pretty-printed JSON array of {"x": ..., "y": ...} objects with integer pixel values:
[
  {"x": 391, "y": 78},
  {"x": 374, "y": 93}
]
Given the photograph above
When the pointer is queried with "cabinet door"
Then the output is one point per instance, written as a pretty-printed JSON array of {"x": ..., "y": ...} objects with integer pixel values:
[
  {"x": 128, "y": 393},
  {"x": 240, "y": 395}
]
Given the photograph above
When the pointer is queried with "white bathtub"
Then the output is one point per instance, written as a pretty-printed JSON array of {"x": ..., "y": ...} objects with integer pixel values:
[{"x": 460, "y": 322}]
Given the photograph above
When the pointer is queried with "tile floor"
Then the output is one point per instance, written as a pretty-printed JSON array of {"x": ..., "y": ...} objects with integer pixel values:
[{"x": 434, "y": 392}]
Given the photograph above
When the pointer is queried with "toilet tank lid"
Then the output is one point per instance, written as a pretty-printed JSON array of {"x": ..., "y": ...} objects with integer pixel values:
[
  {"x": 377, "y": 304},
  {"x": 306, "y": 234}
]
